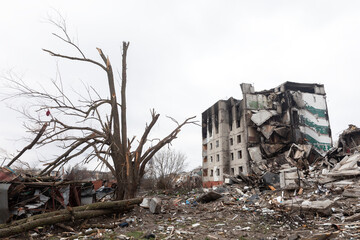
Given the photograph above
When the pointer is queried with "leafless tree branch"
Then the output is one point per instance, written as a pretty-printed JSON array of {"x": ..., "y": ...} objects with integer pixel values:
[{"x": 81, "y": 128}]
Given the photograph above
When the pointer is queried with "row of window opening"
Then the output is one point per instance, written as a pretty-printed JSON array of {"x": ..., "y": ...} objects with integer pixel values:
[
  {"x": 205, "y": 171},
  {"x": 217, "y": 127},
  {"x": 238, "y": 140},
  {"x": 239, "y": 156},
  {"x": 217, "y": 143},
  {"x": 237, "y": 125}
]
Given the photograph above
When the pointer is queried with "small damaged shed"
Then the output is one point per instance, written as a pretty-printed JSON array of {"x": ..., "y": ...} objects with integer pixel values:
[{"x": 22, "y": 195}]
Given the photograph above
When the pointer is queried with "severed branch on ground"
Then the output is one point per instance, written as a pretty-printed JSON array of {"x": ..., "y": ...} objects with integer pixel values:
[{"x": 61, "y": 216}]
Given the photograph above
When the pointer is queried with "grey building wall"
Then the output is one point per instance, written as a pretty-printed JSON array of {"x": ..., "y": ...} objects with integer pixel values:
[{"x": 224, "y": 145}]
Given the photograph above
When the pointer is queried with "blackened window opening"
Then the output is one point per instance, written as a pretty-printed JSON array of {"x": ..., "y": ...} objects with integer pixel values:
[
  {"x": 229, "y": 110},
  {"x": 238, "y": 114},
  {"x": 204, "y": 124},
  {"x": 209, "y": 124},
  {"x": 216, "y": 117}
]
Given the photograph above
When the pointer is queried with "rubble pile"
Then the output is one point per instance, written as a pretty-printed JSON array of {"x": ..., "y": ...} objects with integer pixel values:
[
  {"x": 317, "y": 202},
  {"x": 298, "y": 193},
  {"x": 242, "y": 211},
  {"x": 303, "y": 165},
  {"x": 23, "y": 195}
]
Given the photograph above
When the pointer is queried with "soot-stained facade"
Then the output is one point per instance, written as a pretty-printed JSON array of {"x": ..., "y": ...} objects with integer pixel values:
[{"x": 246, "y": 136}]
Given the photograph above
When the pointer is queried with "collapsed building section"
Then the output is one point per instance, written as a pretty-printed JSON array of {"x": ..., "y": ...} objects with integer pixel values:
[
  {"x": 266, "y": 131},
  {"x": 349, "y": 140}
]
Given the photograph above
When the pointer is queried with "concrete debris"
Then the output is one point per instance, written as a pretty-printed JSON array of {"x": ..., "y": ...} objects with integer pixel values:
[
  {"x": 241, "y": 210},
  {"x": 323, "y": 207},
  {"x": 353, "y": 192},
  {"x": 319, "y": 207},
  {"x": 255, "y": 154},
  {"x": 302, "y": 211},
  {"x": 155, "y": 205},
  {"x": 302, "y": 180},
  {"x": 267, "y": 130},
  {"x": 348, "y": 166},
  {"x": 297, "y": 152},
  {"x": 291, "y": 178},
  {"x": 296, "y": 182},
  {"x": 145, "y": 203},
  {"x": 232, "y": 179},
  {"x": 262, "y": 116},
  {"x": 282, "y": 131},
  {"x": 271, "y": 149},
  {"x": 301, "y": 165},
  {"x": 228, "y": 180},
  {"x": 208, "y": 197}
]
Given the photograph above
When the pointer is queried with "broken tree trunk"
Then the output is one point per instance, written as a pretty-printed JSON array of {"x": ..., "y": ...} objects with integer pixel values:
[
  {"x": 11, "y": 230},
  {"x": 81, "y": 212},
  {"x": 94, "y": 206}
]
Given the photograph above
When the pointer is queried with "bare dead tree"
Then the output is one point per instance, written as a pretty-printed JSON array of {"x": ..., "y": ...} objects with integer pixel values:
[
  {"x": 166, "y": 165},
  {"x": 93, "y": 135}
]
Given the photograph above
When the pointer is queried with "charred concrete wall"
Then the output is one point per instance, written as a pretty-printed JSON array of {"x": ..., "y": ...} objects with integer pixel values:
[
  {"x": 294, "y": 111},
  {"x": 276, "y": 118},
  {"x": 240, "y": 136},
  {"x": 224, "y": 151}
]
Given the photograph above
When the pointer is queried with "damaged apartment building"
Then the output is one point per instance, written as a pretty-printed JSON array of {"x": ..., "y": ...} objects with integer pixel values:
[{"x": 251, "y": 135}]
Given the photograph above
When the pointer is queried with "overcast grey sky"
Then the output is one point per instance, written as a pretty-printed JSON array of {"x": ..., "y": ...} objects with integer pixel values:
[{"x": 186, "y": 55}]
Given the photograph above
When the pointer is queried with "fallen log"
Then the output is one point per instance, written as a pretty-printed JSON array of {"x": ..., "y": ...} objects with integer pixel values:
[
  {"x": 11, "y": 230},
  {"x": 81, "y": 212},
  {"x": 119, "y": 205}
]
